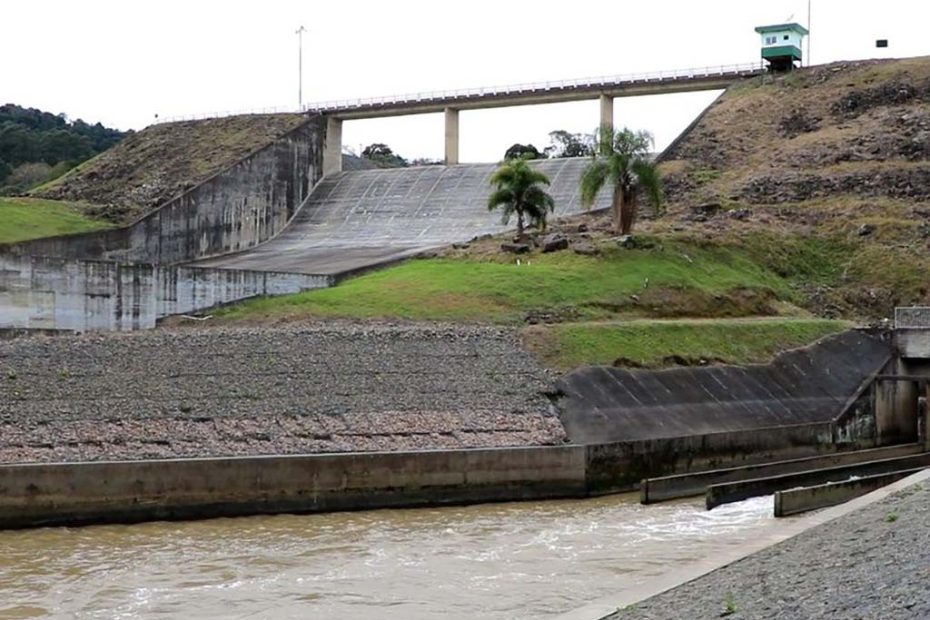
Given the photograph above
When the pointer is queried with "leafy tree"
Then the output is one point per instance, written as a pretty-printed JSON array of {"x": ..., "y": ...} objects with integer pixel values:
[
  {"x": 382, "y": 155},
  {"x": 520, "y": 189},
  {"x": 622, "y": 161},
  {"x": 564, "y": 144},
  {"x": 31, "y": 136},
  {"x": 525, "y": 151}
]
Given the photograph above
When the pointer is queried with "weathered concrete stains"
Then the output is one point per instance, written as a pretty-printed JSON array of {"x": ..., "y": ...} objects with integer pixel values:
[
  {"x": 63, "y": 294},
  {"x": 805, "y": 386},
  {"x": 246, "y": 204}
]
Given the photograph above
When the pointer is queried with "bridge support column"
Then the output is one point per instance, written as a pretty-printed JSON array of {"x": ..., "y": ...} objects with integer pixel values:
[
  {"x": 607, "y": 111},
  {"x": 332, "y": 149},
  {"x": 452, "y": 136}
]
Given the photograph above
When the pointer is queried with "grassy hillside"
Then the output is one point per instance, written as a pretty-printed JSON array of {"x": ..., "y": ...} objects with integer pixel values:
[
  {"x": 152, "y": 166},
  {"x": 657, "y": 344},
  {"x": 822, "y": 174},
  {"x": 29, "y": 218},
  {"x": 667, "y": 280}
]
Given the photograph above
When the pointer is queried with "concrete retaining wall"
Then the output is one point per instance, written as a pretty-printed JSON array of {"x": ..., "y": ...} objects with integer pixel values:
[
  {"x": 32, "y": 495},
  {"x": 77, "y": 295},
  {"x": 621, "y": 466},
  {"x": 74, "y": 493},
  {"x": 246, "y": 204},
  {"x": 809, "y": 385}
]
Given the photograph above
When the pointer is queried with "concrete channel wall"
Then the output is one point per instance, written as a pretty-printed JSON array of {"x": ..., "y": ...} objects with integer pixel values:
[
  {"x": 80, "y": 295},
  {"x": 130, "y": 491},
  {"x": 240, "y": 207},
  {"x": 32, "y": 495}
]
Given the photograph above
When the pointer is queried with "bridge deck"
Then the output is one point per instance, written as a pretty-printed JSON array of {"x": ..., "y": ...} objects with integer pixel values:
[
  {"x": 355, "y": 219},
  {"x": 661, "y": 82}
]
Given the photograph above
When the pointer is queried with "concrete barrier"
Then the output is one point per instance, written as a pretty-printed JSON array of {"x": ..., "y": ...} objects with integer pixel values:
[
  {"x": 796, "y": 501},
  {"x": 79, "y": 295},
  {"x": 736, "y": 491},
  {"x": 621, "y": 466},
  {"x": 56, "y": 494},
  {"x": 654, "y": 490}
]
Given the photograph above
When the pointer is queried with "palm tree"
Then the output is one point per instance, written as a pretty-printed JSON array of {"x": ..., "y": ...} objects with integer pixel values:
[
  {"x": 622, "y": 160},
  {"x": 519, "y": 189}
]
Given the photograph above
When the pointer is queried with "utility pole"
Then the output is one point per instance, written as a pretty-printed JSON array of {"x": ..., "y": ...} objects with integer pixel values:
[
  {"x": 300, "y": 67},
  {"x": 808, "y": 33}
]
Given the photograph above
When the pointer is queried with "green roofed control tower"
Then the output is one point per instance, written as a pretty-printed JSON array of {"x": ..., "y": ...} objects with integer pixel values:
[{"x": 781, "y": 45}]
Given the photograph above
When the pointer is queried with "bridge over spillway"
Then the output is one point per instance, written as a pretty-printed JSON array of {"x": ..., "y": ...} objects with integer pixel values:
[
  {"x": 450, "y": 103},
  {"x": 360, "y": 218}
]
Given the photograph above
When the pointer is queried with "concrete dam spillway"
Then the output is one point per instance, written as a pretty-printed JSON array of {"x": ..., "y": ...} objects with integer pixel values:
[{"x": 355, "y": 219}]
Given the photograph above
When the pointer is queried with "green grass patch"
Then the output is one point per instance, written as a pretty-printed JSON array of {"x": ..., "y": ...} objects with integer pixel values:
[
  {"x": 30, "y": 218},
  {"x": 674, "y": 279},
  {"x": 657, "y": 344}
]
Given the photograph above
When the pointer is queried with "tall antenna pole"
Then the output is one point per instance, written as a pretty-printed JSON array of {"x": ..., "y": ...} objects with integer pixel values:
[
  {"x": 808, "y": 33},
  {"x": 300, "y": 67}
]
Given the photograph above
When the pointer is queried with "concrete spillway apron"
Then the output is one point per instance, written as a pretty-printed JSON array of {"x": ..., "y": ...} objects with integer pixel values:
[{"x": 635, "y": 593}]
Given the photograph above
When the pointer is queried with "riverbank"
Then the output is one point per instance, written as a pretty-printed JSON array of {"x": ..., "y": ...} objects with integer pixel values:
[{"x": 870, "y": 564}]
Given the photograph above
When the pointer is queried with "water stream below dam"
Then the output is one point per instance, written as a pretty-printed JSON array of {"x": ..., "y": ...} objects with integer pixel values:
[{"x": 518, "y": 560}]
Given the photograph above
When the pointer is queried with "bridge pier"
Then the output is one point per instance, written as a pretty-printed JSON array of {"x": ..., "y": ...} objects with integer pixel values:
[
  {"x": 332, "y": 149},
  {"x": 452, "y": 136},
  {"x": 607, "y": 111}
]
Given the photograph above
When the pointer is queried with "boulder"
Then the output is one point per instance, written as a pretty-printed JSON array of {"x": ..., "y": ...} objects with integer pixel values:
[
  {"x": 554, "y": 243},
  {"x": 516, "y": 248}
]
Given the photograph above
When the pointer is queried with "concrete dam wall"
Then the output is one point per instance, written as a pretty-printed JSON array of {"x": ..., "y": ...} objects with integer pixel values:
[
  {"x": 244, "y": 205},
  {"x": 354, "y": 219},
  {"x": 80, "y": 295}
]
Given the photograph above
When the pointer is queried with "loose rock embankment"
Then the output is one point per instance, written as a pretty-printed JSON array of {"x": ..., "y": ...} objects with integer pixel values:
[
  {"x": 870, "y": 565},
  {"x": 297, "y": 389}
]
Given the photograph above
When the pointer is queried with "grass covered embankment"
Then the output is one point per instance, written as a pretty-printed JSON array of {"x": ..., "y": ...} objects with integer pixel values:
[
  {"x": 673, "y": 302},
  {"x": 31, "y": 218},
  {"x": 659, "y": 344},
  {"x": 670, "y": 279}
]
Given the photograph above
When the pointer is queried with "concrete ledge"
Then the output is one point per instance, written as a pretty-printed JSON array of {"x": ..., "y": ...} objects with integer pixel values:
[
  {"x": 133, "y": 491},
  {"x": 796, "y": 501},
  {"x": 687, "y": 485},
  {"x": 631, "y": 594},
  {"x": 736, "y": 491}
]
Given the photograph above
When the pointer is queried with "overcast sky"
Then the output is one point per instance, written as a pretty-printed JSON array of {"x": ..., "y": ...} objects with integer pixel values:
[{"x": 121, "y": 63}]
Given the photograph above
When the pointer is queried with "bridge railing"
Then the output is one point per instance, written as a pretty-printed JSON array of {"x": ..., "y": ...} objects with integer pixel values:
[
  {"x": 516, "y": 89},
  {"x": 504, "y": 90}
]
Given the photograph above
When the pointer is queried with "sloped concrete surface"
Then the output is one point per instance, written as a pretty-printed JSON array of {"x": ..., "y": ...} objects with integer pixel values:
[
  {"x": 807, "y": 385},
  {"x": 354, "y": 219},
  {"x": 299, "y": 389}
]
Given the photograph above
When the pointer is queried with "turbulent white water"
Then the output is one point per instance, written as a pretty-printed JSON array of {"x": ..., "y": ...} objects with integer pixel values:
[{"x": 521, "y": 560}]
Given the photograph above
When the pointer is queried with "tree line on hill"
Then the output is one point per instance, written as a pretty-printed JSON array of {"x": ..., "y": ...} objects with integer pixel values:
[
  {"x": 37, "y": 146},
  {"x": 561, "y": 144}
]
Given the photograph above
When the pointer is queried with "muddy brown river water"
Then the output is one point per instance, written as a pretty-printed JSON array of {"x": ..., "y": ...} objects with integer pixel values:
[{"x": 520, "y": 560}]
